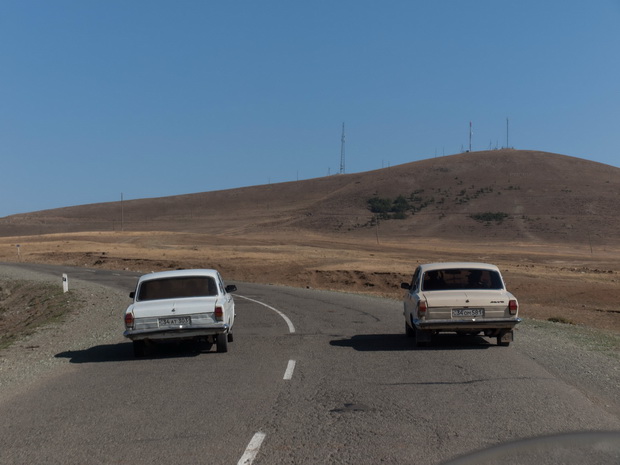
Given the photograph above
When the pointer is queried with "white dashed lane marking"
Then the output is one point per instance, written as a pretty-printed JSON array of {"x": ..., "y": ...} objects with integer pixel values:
[
  {"x": 252, "y": 450},
  {"x": 254, "y": 446},
  {"x": 288, "y": 374},
  {"x": 291, "y": 328}
]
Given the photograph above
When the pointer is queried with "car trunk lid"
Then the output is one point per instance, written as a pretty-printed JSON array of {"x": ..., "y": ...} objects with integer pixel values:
[
  {"x": 466, "y": 304},
  {"x": 468, "y": 298},
  {"x": 168, "y": 307}
]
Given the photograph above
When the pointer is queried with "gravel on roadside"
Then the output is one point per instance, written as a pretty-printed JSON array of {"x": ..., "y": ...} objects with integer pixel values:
[
  {"x": 95, "y": 321},
  {"x": 586, "y": 358}
]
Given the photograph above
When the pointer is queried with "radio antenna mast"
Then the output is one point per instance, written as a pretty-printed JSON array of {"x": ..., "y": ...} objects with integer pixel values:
[
  {"x": 507, "y": 144},
  {"x": 342, "y": 151}
]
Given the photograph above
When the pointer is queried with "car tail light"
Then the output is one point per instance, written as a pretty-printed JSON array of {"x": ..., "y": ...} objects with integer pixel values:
[
  {"x": 422, "y": 307},
  {"x": 219, "y": 313},
  {"x": 513, "y": 307},
  {"x": 129, "y": 320}
]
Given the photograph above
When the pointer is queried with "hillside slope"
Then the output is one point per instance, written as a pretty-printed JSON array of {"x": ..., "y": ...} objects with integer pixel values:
[{"x": 504, "y": 195}]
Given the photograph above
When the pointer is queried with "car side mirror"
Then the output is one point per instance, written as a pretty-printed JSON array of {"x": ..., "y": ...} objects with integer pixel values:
[
  {"x": 405, "y": 286},
  {"x": 132, "y": 294},
  {"x": 231, "y": 288}
]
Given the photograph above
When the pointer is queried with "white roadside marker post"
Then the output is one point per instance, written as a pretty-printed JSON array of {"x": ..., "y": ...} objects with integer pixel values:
[{"x": 65, "y": 283}]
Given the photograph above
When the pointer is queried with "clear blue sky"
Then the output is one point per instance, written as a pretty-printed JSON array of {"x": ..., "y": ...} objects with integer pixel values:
[{"x": 153, "y": 98}]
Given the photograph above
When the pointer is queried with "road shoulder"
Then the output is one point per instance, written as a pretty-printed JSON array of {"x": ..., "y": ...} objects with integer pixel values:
[{"x": 94, "y": 319}]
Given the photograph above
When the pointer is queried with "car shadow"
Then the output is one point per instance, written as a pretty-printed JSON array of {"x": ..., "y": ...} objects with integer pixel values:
[
  {"x": 396, "y": 342},
  {"x": 123, "y": 352},
  {"x": 103, "y": 353}
]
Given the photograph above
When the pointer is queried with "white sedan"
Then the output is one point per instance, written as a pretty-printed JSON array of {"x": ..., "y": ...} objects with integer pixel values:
[
  {"x": 181, "y": 305},
  {"x": 466, "y": 298}
]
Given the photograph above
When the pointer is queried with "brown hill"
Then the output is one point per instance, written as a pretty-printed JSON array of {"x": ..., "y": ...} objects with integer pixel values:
[
  {"x": 549, "y": 221},
  {"x": 501, "y": 195}
]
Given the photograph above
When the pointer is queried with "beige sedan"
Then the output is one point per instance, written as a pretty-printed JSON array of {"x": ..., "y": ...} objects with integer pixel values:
[{"x": 461, "y": 297}]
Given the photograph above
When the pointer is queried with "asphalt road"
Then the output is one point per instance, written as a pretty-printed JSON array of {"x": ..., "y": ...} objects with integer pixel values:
[{"x": 312, "y": 377}]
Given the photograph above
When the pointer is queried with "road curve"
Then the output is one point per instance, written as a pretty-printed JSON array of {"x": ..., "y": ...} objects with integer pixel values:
[{"x": 345, "y": 387}]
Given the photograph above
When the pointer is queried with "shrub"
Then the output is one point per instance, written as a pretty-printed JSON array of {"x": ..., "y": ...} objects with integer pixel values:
[
  {"x": 385, "y": 208},
  {"x": 487, "y": 217},
  {"x": 379, "y": 205},
  {"x": 560, "y": 319},
  {"x": 400, "y": 205}
]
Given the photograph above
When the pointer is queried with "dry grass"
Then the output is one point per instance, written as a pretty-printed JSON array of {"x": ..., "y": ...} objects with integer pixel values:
[{"x": 550, "y": 281}]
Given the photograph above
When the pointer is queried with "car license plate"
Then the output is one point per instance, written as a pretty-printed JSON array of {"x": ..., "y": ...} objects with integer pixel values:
[
  {"x": 467, "y": 312},
  {"x": 175, "y": 321}
]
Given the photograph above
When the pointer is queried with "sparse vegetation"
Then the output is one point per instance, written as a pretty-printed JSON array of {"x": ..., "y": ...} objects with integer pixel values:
[
  {"x": 400, "y": 205},
  {"x": 489, "y": 217},
  {"x": 386, "y": 208},
  {"x": 379, "y": 205},
  {"x": 25, "y": 306},
  {"x": 560, "y": 319}
]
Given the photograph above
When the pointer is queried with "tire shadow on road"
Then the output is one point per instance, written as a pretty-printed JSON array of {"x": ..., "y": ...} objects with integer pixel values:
[
  {"x": 396, "y": 342},
  {"x": 123, "y": 352}
]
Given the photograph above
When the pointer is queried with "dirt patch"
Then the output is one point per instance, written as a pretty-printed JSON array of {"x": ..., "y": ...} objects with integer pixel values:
[{"x": 26, "y": 306}]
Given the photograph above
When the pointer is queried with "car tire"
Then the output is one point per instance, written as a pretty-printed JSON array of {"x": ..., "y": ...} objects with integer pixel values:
[
  {"x": 222, "y": 342},
  {"x": 421, "y": 338},
  {"x": 409, "y": 330},
  {"x": 139, "y": 349},
  {"x": 230, "y": 337},
  {"x": 202, "y": 345},
  {"x": 502, "y": 344}
]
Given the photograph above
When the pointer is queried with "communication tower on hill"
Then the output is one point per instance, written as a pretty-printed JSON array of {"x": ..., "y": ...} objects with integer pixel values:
[
  {"x": 342, "y": 151},
  {"x": 507, "y": 145}
]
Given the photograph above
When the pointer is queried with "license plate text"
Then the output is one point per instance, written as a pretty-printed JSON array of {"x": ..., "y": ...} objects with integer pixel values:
[
  {"x": 175, "y": 321},
  {"x": 467, "y": 312}
]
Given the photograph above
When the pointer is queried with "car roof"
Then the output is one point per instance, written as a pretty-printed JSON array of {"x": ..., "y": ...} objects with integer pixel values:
[
  {"x": 178, "y": 274},
  {"x": 455, "y": 265}
]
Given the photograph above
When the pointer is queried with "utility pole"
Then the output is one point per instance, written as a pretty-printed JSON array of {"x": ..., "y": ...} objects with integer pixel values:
[
  {"x": 470, "y": 131},
  {"x": 507, "y": 145},
  {"x": 342, "y": 151},
  {"x": 122, "y": 214}
]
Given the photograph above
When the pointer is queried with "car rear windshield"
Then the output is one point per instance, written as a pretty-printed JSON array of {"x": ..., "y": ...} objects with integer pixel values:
[
  {"x": 174, "y": 288},
  {"x": 461, "y": 278}
]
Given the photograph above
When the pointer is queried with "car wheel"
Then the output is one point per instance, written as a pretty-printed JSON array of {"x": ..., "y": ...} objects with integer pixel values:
[
  {"x": 230, "y": 337},
  {"x": 222, "y": 342},
  {"x": 504, "y": 338},
  {"x": 409, "y": 330},
  {"x": 422, "y": 338},
  {"x": 202, "y": 345},
  {"x": 139, "y": 348}
]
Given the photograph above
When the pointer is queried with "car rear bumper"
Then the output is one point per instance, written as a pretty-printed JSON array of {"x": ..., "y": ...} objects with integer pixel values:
[
  {"x": 176, "y": 333},
  {"x": 465, "y": 325}
]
